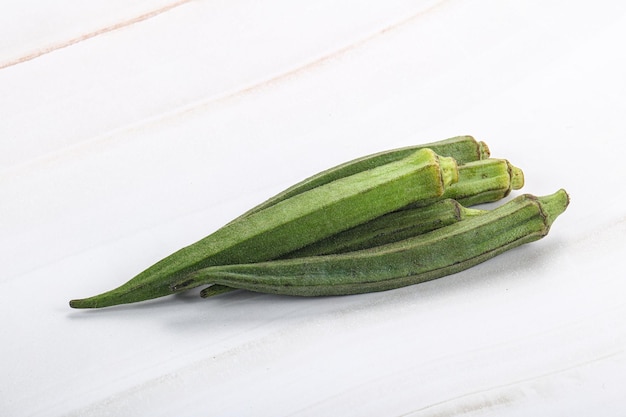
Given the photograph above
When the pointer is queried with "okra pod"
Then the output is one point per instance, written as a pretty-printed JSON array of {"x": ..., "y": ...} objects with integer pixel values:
[
  {"x": 294, "y": 223},
  {"x": 462, "y": 148},
  {"x": 432, "y": 255},
  {"x": 481, "y": 181},
  {"x": 389, "y": 228}
]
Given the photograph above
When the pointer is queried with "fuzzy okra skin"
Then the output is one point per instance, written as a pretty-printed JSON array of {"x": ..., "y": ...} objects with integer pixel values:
[
  {"x": 479, "y": 182},
  {"x": 432, "y": 255},
  {"x": 389, "y": 228},
  {"x": 482, "y": 181},
  {"x": 294, "y": 223},
  {"x": 462, "y": 148}
]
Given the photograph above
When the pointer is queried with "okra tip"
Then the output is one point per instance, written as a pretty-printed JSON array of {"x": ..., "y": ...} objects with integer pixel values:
[
  {"x": 123, "y": 294},
  {"x": 93, "y": 302},
  {"x": 106, "y": 299},
  {"x": 82, "y": 303},
  {"x": 553, "y": 205}
]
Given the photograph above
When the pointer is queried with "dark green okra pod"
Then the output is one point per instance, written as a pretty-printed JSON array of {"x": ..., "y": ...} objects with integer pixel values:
[{"x": 432, "y": 255}]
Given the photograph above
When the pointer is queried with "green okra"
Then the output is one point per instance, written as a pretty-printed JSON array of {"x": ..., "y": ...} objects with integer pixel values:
[
  {"x": 295, "y": 222},
  {"x": 432, "y": 255},
  {"x": 481, "y": 181},
  {"x": 389, "y": 228},
  {"x": 462, "y": 148}
]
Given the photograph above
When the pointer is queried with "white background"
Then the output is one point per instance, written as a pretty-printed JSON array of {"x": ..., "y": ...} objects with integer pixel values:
[{"x": 129, "y": 129}]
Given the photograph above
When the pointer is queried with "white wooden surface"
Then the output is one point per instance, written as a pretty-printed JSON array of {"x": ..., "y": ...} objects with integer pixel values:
[{"x": 130, "y": 129}]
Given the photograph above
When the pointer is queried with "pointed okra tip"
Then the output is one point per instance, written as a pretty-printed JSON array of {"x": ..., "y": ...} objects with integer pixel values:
[
  {"x": 120, "y": 295},
  {"x": 553, "y": 205},
  {"x": 91, "y": 302},
  {"x": 77, "y": 303}
]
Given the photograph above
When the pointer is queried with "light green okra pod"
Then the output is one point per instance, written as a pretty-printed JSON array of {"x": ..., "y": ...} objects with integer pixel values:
[
  {"x": 462, "y": 148},
  {"x": 432, "y": 255},
  {"x": 294, "y": 223}
]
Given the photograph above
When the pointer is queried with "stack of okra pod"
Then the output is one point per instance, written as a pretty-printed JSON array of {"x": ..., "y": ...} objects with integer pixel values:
[{"x": 380, "y": 222}]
